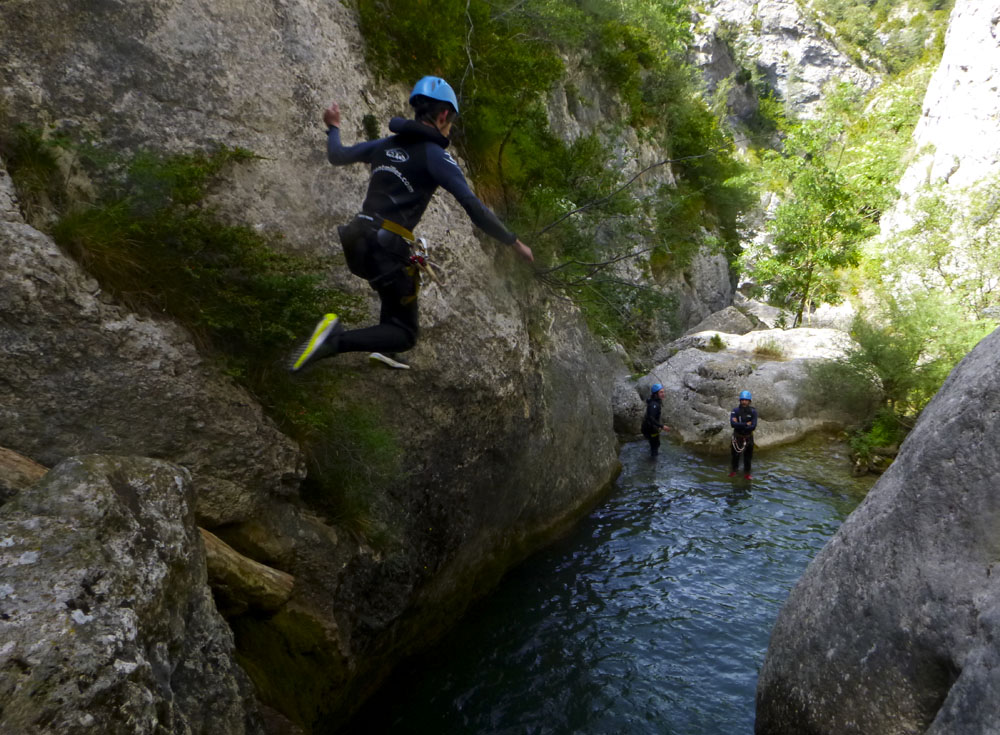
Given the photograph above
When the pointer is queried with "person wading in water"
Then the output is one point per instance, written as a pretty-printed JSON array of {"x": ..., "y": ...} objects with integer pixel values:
[
  {"x": 743, "y": 419},
  {"x": 652, "y": 424},
  {"x": 406, "y": 169}
]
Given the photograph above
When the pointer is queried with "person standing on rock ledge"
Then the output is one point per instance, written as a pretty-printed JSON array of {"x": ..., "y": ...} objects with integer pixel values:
[
  {"x": 652, "y": 424},
  {"x": 743, "y": 419},
  {"x": 406, "y": 170}
]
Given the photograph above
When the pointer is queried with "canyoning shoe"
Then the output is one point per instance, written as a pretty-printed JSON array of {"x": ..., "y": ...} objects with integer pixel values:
[
  {"x": 323, "y": 343},
  {"x": 733, "y": 473},
  {"x": 390, "y": 359},
  {"x": 747, "y": 477}
]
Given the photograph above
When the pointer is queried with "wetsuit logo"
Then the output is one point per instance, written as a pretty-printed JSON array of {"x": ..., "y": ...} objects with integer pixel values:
[{"x": 397, "y": 154}]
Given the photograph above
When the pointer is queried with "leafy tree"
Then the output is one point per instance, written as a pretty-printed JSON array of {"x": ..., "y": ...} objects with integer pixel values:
[
  {"x": 820, "y": 223},
  {"x": 953, "y": 245}
]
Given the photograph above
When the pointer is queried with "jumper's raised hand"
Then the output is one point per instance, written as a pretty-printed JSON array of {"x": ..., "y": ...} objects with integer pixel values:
[{"x": 331, "y": 115}]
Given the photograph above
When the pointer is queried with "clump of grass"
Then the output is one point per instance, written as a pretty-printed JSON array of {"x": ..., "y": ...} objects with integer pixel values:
[
  {"x": 33, "y": 164},
  {"x": 769, "y": 348},
  {"x": 716, "y": 343}
]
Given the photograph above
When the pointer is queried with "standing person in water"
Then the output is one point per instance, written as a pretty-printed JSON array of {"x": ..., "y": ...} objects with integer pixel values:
[
  {"x": 406, "y": 169},
  {"x": 652, "y": 424},
  {"x": 743, "y": 419}
]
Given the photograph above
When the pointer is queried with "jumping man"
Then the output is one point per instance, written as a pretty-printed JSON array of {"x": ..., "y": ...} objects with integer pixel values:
[{"x": 406, "y": 170}]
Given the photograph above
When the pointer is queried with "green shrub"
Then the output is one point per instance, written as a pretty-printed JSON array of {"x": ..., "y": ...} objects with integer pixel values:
[
  {"x": 885, "y": 430},
  {"x": 34, "y": 168}
]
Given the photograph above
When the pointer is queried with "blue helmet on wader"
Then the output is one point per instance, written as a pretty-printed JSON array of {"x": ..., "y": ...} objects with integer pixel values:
[
  {"x": 745, "y": 395},
  {"x": 437, "y": 89},
  {"x": 657, "y": 387}
]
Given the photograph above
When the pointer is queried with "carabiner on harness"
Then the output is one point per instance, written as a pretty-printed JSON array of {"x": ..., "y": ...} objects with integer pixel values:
[{"x": 419, "y": 257}]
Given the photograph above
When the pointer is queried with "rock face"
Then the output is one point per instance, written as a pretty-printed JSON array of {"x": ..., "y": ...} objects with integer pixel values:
[
  {"x": 794, "y": 56},
  {"x": 504, "y": 438},
  {"x": 955, "y": 164},
  {"x": 702, "y": 385},
  {"x": 893, "y": 627},
  {"x": 82, "y": 375},
  {"x": 582, "y": 105},
  {"x": 956, "y": 139},
  {"x": 106, "y": 622}
]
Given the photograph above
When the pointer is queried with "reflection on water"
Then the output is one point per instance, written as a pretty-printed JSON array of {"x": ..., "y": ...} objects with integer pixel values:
[{"x": 651, "y": 617}]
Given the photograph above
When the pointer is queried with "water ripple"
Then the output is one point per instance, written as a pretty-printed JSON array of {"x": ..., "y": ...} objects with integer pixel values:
[{"x": 652, "y": 617}]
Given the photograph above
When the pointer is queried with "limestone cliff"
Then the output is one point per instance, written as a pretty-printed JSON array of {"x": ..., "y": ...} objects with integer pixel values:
[
  {"x": 505, "y": 437},
  {"x": 945, "y": 221}
]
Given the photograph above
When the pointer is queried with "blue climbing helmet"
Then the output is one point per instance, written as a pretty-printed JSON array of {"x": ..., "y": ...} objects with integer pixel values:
[
  {"x": 745, "y": 394},
  {"x": 437, "y": 89},
  {"x": 657, "y": 387}
]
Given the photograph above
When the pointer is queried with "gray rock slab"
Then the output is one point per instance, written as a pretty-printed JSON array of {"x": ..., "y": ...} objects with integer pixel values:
[
  {"x": 893, "y": 626},
  {"x": 83, "y": 375}
]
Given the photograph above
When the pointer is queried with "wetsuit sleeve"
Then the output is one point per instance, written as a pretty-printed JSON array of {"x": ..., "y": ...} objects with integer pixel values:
[
  {"x": 734, "y": 419},
  {"x": 449, "y": 176},
  {"x": 753, "y": 416},
  {"x": 340, "y": 155}
]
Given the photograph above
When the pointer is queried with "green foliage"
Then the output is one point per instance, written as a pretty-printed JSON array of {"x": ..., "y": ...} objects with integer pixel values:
[
  {"x": 500, "y": 58},
  {"x": 953, "y": 246},
  {"x": 907, "y": 355},
  {"x": 716, "y": 343},
  {"x": 33, "y": 164},
  {"x": 150, "y": 242},
  {"x": 891, "y": 36},
  {"x": 835, "y": 176},
  {"x": 883, "y": 431},
  {"x": 819, "y": 224},
  {"x": 903, "y": 352}
]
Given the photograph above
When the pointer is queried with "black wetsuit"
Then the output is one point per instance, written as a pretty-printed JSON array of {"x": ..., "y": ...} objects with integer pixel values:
[
  {"x": 406, "y": 170},
  {"x": 651, "y": 425},
  {"x": 742, "y": 436}
]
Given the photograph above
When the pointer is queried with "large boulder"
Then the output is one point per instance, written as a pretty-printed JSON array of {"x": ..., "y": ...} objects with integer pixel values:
[
  {"x": 106, "y": 622},
  {"x": 893, "y": 627},
  {"x": 702, "y": 382}
]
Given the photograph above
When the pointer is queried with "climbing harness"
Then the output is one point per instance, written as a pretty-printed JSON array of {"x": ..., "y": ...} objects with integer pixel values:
[
  {"x": 419, "y": 259},
  {"x": 739, "y": 443}
]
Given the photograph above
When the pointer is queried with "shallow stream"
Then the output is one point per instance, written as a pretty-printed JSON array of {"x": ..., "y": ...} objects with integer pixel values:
[{"x": 652, "y": 616}]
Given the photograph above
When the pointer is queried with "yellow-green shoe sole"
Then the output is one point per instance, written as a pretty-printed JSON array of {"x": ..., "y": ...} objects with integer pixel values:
[{"x": 319, "y": 335}]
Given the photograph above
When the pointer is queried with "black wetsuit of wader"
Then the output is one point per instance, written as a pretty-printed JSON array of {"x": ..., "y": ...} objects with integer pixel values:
[
  {"x": 406, "y": 170},
  {"x": 651, "y": 424},
  {"x": 742, "y": 432}
]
